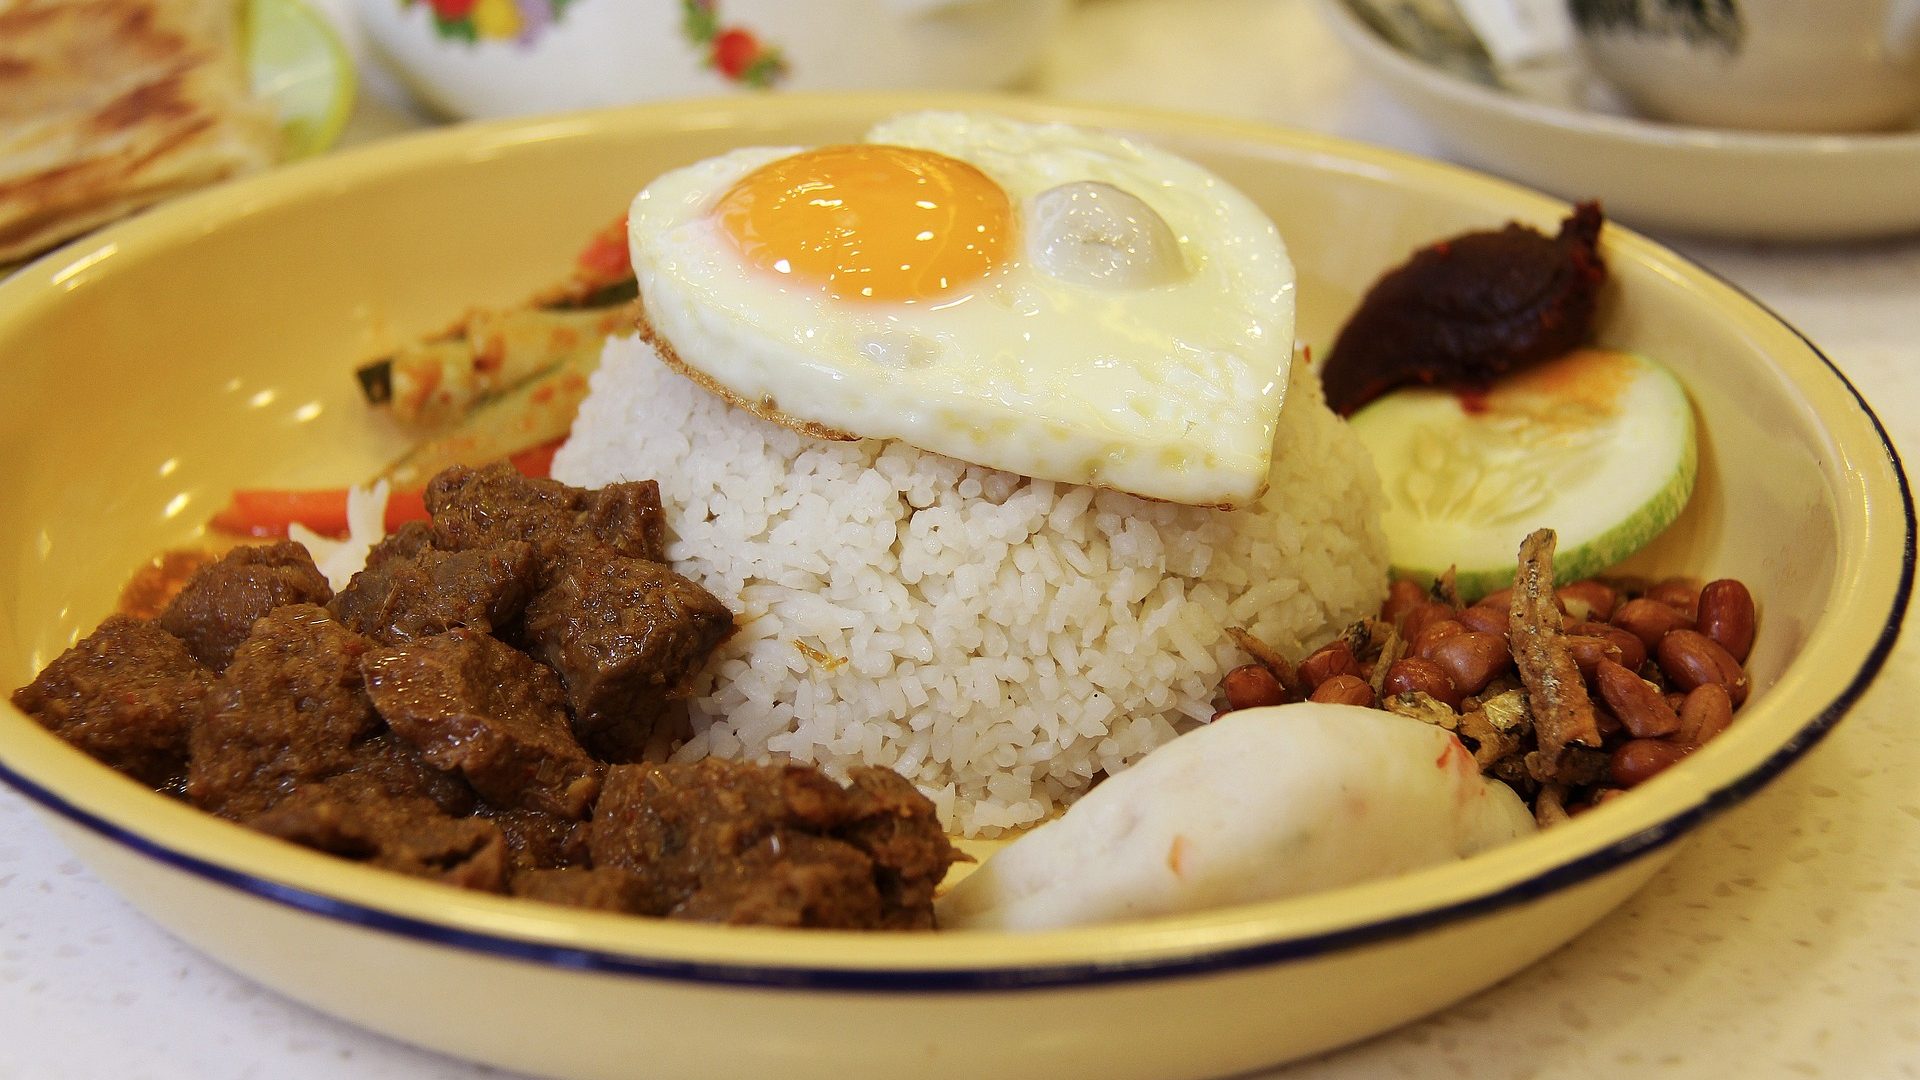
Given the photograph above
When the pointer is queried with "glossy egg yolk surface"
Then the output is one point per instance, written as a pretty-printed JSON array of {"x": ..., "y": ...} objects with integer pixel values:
[{"x": 869, "y": 222}]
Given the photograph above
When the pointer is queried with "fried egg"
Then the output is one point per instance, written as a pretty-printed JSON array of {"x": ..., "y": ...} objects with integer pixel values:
[{"x": 1056, "y": 302}]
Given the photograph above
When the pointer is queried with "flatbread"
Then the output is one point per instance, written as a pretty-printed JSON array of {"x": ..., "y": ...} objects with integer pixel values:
[{"x": 108, "y": 106}]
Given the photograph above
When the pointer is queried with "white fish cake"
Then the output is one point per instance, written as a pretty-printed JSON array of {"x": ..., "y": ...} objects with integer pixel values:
[
  {"x": 1259, "y": 805},
  {"x": 1060, "y": 303}
]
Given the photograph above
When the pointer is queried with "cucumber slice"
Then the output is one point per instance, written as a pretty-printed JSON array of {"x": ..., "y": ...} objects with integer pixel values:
[{"x": 1596, "y": 445}]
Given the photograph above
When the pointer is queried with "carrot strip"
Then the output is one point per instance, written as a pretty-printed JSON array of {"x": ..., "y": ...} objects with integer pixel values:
[
  {"x": 267, "y": 512},
  {"x": 605, "y": 258},
  {"x": 536, "y": 460},
  {"x": 405, "y": 506}
]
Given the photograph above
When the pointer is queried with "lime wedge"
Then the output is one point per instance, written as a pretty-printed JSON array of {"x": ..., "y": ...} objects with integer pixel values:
[
  {"x": 1596, "y": 445},
  {"x": 297, "y": 64}
]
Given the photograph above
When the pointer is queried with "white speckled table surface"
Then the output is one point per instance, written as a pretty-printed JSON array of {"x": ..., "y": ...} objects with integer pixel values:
[{"x": 1784, "y": 941}]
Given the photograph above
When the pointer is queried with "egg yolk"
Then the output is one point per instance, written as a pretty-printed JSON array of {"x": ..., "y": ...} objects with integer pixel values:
[{"x": 869, "y": 222}]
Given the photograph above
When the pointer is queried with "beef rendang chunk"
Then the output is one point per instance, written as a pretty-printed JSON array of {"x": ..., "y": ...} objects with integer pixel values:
[
  {"x": 474, "y": 508},
  {"x": 289, "y": 710},
  {"x": 470, "y": 703},
  {"x": 410, "y": 835},
  {"x": 626, "y": 636},
  {"x": 537, "y": 840},
  {"x": 216, "y": 608},
  {"x": 410, "y": 591},
  {"x": 387, "y": 767},
  {"x": 772, "y": 845},
  {"x": 292, "y": 711},
  {"x": 606, "y": 888},
  {"x": 894, "y": 824},
  {"x": 128, "y": 694}
]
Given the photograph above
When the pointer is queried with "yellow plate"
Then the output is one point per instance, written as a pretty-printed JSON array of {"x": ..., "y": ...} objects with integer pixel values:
[{"x": 208, "y": 345}]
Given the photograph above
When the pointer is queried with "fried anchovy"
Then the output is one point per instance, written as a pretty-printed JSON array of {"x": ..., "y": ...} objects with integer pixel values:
[
  {"x": 1392, "y": 648},
  {"x": 1550, "y": 806},
  {"x": 1557, "y": 696},
  {"x": 1271, "y": 659}
]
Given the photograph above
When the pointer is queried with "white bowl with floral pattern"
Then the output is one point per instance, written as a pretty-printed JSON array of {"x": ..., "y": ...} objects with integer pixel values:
[{"x": 471, "y": 58}]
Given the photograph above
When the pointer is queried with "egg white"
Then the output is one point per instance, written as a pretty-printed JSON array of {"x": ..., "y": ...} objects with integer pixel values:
[{"x": 1169, "y": 391}]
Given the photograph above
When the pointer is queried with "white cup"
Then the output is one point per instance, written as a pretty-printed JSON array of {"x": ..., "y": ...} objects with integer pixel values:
[{"x": 1779, "y": 65}]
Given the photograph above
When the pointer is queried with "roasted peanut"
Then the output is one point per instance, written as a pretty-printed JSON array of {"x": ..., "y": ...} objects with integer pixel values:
[
  {"x": 1690, "y": 659},
  {"x": 1421, "y": 617},
  {"x": 1403, "y": 596},
  {"x": 1633, "y": 651},
  {"x": 1471, "y": 659},
  {"x": 1502, "y": 599},
  {"x": 1639, "y": 704},
  {"x": 1433, "y": 634},
  {"x": 1498, "y": 598},
  {"x": 1706, "y": 712},
  {"x": 1679, "y": 593},
  {"x": 1649, "y": 620},
  {"x": 1638, "y": 760},
  {"x": 1334, "y": 658},
  {"x": 1587, "y": 653},
  {"x": 1486, "y": 620},
  {"x": 1411, "y": 674},
  {"x": 1250, "y": 686},
  {"x": 1587, "y": 600},
  {"x": 1608, "y": 724},
  {"x": 1344, "y": 690},
  {"x": 1726, "y": 615}
]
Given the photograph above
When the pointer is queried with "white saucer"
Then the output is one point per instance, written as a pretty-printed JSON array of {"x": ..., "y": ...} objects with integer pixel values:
[{"x": 1656, "y": 176}]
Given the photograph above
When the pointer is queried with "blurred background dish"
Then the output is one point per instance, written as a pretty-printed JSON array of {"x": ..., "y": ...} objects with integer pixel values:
[
  {"x": 1562, "y": 130},
  {"x": 110, "y": 106},
  {"x": 474, "y": 58},
  {"x": 298, "y": 66},
  {"x": 1762, "y": 65}
]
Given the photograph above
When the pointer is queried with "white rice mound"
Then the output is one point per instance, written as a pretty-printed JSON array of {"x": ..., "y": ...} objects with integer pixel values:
[{"x": 999, "y": 641}]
